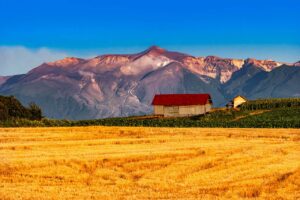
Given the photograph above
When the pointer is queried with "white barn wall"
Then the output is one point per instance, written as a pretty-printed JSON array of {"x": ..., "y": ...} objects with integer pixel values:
[
  {"x": 208, "y": 107},
  {"x": 158, "y": 110},
  {"x": 170, "y": 111},
  {"x": 177, "y": 111}
]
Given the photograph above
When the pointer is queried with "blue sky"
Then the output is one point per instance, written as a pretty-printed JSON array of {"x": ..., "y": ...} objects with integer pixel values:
[{"x": 263, "y": 29}]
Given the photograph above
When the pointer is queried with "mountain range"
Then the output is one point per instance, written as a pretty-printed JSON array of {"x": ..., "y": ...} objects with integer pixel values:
[{"x": 123, "y": 85}]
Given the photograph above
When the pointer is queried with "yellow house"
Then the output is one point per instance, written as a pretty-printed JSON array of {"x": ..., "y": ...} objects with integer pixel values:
[{"x": 239, "y": 100}]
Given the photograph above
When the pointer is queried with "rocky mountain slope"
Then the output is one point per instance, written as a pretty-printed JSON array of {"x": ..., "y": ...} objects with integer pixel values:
[
  {"x": 283, "y": 81},
  {"x": 3, "y": 79},
  {"x": 122, "y": 85}
]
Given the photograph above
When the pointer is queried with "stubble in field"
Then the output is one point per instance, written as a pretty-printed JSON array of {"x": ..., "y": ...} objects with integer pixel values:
[{"x": 149, "y": 163}]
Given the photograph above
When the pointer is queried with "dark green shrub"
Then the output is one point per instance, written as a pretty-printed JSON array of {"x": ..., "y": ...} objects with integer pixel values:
[{"x": 35, "y": 112}]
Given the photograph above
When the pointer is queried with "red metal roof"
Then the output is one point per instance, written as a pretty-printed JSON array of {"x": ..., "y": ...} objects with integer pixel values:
[{"x": 181, "y": 99}]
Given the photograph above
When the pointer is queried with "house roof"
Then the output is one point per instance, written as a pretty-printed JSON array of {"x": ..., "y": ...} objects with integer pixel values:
[
  {"x": 240, "y": 96},
  {"x": 181, "y": 99}
]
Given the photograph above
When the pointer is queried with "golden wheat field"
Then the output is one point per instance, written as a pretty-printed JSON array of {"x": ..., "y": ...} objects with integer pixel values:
[{"x": 149, "y": 163}]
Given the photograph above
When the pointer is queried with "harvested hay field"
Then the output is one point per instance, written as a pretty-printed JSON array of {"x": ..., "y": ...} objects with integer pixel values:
[{"x": 149, "y": 163}]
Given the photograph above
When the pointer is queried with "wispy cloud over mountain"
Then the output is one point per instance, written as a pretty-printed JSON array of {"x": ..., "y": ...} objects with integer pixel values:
[{"x": 19, "y": 59}]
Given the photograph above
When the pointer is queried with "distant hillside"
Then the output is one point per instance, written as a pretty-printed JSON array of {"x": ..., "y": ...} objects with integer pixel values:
[
  {"x": 3, "y": 79},
  {"x": 109, "y": 86},
  {"x": 11, "y": 109},
  {"x": 255, "y": 83}
]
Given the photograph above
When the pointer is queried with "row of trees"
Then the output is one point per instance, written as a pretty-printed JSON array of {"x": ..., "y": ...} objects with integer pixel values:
[
  {"x": 11, "y": 108},
  {"x": 266, "y": 104}
]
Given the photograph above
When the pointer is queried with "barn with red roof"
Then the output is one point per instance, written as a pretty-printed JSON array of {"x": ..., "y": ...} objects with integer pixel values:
[{"x": 180, "y": 105}]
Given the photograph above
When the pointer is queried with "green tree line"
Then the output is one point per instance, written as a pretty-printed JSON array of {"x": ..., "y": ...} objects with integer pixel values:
[
  {"x": 266, "y": 104},
  {"x": 11, "y": 109}
]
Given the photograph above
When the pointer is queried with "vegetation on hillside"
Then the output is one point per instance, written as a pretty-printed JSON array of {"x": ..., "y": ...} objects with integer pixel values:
[
  {"x": 274, "y": 113},
  {"x": 276, "y": 118},
  {"x": 11, "y": 109},
  {"x": 271, "y": 103}
]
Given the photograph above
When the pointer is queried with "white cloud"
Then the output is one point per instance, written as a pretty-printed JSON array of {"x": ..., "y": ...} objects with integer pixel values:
[{"x": 19, "y": 59}]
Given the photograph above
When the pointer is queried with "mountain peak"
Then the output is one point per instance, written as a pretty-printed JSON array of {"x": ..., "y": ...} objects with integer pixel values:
[
  {"x": 155, "y": 49},
  {"x": 267, "y": 65},
  {"x": 251, "y": 61},
  {"x": 66, "y": 61},
  {"x": 212, "y": 58},
  {"x": 115, "y": 85},
  {"x": 297, "y": 64}
]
